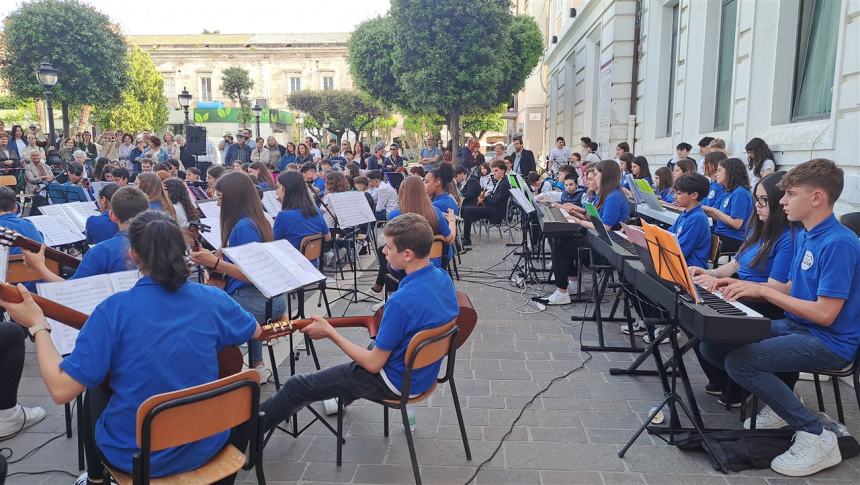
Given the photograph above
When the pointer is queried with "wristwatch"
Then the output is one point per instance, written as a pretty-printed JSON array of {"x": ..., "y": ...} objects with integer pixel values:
[{"x": 37, "y": 328}]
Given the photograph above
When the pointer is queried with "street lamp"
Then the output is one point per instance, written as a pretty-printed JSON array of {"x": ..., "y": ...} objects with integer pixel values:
[
  {"x": 185, "y": 101},
  {"x": 325, "y": 131},
  {"x": 258, "y": 111},
  {"x": 300, "y": 120},
  {"x": 47, "y": 76}
]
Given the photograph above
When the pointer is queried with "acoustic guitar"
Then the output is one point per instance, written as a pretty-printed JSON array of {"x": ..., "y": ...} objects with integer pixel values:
[
  {"x": 195, "y": 231},
  {"x": 10, "y": 238}
]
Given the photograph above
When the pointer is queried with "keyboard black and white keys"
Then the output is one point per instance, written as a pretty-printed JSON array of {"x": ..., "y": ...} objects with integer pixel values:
[
  {"x": 718, "y": 320},
  {"x": 553, "y": 223}
]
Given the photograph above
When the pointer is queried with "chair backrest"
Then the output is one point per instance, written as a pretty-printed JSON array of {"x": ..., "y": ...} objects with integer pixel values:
[
  {"x": 714, "y": 255},
  {"x": 8, "y": 180},
  {"x": 311, "y": 246},
  {"x": 429, "y": 346},
  {"x": 180, "y": 417},
  {"x": 438, "y": 247}
]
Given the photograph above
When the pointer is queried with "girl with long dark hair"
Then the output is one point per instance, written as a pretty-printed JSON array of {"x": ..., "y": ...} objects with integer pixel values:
[
  {"x": 151, "y": 185},
  {"x": 264, "y": 176},
  {"x": 299, "y": 216},
  {"x": 663, "y": 182},
  {"x": 242, "y": 222},
  {"x": 760, "y": 158},
  {"x": 732, "y": 215},
  {"x": 180, "y": 199},
  {"x": 288, "y": 157}
]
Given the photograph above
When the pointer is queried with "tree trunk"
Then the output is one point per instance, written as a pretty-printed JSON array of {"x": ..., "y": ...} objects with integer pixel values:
[
  {"x": 454, "y": 129},
  {"x": 43, "y": 119},
  {"x": 65, "y": 108},
  {"x": 84, "y": 120}
]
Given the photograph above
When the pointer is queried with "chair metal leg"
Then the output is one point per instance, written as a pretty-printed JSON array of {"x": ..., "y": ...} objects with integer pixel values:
[
  {"x": 857, "y": 387},
  {"x": 309, "y": 344},
  {"x": 274, "y": 364},
  {"x": 339, "y": 432},
  {"x": 68, "y": 408},
  {"x": 818, "y": 392},
  {"x": 80, "y": 404},
  {"x": 408, "y": 431},
  {"x": 460, "y": 419},
  {"x": 325, "y": 299},
  {"x": 385, "y": 421},
  {"x": 838, "y": 396}
]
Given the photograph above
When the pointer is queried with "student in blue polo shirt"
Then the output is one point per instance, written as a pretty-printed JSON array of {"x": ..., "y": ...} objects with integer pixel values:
[
  {"x": 149, "y": 341},
  {"x": 692, "y": 227},
  {"x": 426, "y": 299},
  {"x": 151, "y": 185},
  {"x": 709, "y": 165},
  {"x": 242, "y": 222},
  {"x": 436, "y": 184},
  {"x": 732, "y": 215},
  {"x": 821, "y": 329},
  {"x": 299, "y": 216},
  {"x": 764, "y": 257},
  {"x": 10, "y": 220},
  {"x": 109, "y": 256},
  {"x": 101, "y": 228},
  {"x": 611, "y": 203}
]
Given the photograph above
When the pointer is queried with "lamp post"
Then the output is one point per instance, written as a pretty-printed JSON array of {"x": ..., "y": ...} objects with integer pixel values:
[
  {"x": 185, "y": 101},
  {"x": 300, "y": 120},
  {"x": 47, "y": 76},
  {"x": 325, "y": 132},
  {"x": 258, "y": 111}
]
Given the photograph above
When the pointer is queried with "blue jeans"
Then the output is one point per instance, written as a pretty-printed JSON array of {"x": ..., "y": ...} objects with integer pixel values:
[
  {"x": 250, "y": 298},
  {"x": 347, "y": 381},
  {"x": 754, "y": 366}
]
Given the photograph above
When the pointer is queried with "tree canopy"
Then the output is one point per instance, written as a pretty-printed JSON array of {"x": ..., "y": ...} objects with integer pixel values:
[
  {"x": 477, "y": 125},
  {"x": 343, "y": 110},
  {"x": 82, "y": 44},
  {"x": 446, "y": 57},
  {"x": 142, "y": 105},
  {"x": 236, "y": 85}
]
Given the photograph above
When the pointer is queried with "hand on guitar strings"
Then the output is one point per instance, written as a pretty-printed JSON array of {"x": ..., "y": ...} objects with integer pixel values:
[
  {"x": 203, "y": 258},
  {"x": 319, "y": 329},
  {"x": 26, "y": 313},
  {"x": 34, "y": 260}
]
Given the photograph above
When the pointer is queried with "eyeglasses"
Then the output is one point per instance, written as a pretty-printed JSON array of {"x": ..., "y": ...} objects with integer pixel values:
[{"x": 761, "y": 202}]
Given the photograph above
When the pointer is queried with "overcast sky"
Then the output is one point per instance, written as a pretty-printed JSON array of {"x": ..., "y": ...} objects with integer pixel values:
[{"x": 232, "y": 17}]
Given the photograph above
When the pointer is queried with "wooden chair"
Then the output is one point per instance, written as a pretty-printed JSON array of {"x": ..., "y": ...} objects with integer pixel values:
[
  {"x": 437, "y": 250},
  {"x": 9, "y": 181},
  {"x": 426, "y": 348},
  {"x": 714, "y": 254},
  {"x": 180, "y": 417}
]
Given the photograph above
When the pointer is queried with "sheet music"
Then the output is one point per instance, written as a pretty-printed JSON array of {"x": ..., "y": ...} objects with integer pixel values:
[
  {"x": 522, "y": 201},
  {"x": 352, "y": 209},
  {"x": 209, "y": 208},
  {"x": 258, "y": 266},
  {"x": 4, "y": 262},
  {"x": 124, "y": 280},
  {"x": 298, "y": 268},
  {"x": 271, "y": 202},
  {"x": 213, "y": 236},
  {"x": 79, "y": 212},
  {"x": 83, "y": 295},
  {"x": 57, "y": 231}
]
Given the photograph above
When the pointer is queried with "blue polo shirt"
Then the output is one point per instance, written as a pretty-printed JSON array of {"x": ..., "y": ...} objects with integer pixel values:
[
  {"x": 22, "y": 226},
  {"x": 425, "y": 299},
  {"x": 151, "y": 341},
  {"x": 100, "y": 228},
  {"x": 245, "y": 231},
  {"x": 827, "y": 263},
  {"x": 293, "y": 226},
  {"x": 667, "y": 195},
  {"x": 694, "y": 235},
  {"x": 776, "y": 265},
  {"x": 443, "y": 230},
  {"x": 109, "y": 256},
  {"x": 739, "y": 205},
  {"x": 715, "y": 195},
  {"x": 444, "y": 202},
  {"x": 156, "y": 205},
  {"x": 614, "y": 210}
]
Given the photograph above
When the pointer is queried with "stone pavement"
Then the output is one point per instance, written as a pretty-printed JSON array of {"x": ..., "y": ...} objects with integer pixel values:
[{"x": 571, "y": 434}]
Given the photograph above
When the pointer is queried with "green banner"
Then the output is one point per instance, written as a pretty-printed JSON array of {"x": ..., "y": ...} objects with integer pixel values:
[{"x": 233, "y": 115}]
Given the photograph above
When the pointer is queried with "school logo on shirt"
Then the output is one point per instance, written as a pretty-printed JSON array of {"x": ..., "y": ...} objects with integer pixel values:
[
  {"x": 711, "y": 194},
  {"x": 808, "y": 261},
  {"x": 725, "y": 203}
]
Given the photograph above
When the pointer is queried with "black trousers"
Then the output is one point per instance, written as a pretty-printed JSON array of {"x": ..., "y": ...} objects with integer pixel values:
[
  {"x": 95, "y": 401},
  {"x": 729, "y": 244},
  {"x": 473, "y": 213},
  {"x": 11, "y": 362},
  {"x": 564, "y": 253}
]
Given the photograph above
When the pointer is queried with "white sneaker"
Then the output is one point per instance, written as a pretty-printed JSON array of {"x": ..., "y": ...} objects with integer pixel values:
[
  {"x": 638, "y": 326},
  {"x": 82, "y": 479},
  {"x": 558, "y": 298},
  {"x": 264, "y": 374},
  {"x": 657, "y": 330},
  {"x": 18, "y": 419},
  {"x": 330, "y": 406},
  {"x": 768, "y": 419},
  {"x": 377, "y": 306},
  {"x": 809, "y": 454}
]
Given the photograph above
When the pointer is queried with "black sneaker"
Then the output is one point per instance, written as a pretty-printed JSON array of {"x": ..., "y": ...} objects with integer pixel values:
[
  {"x": 714, "y": 389},
  {"x": 734, "y": 404},
  {"x": 467, "y": 243}
]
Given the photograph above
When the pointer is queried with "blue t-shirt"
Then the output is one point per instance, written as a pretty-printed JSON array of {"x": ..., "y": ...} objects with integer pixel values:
[
  {"x": 776, "y": 265},
  {"x": 425, "y": 299},
  {"x": 694, "y": 235},
  {"x": 156, "y": 205},
  {"x": 827, "y": 263},
  {"x": 667, "y": 195},
  {"x": 739, "y": 205},
  {"x": 715, "y": 195},
  {"x": 245, "y": 231},
  {"x": 444, "y": 202},
  {"x": 320, "y": 184},
  {"x": 150, "y": 341},
  {"x": 614, "y": 210},
  {"x": 21, "y": 226},
  {"x": 109, "y": 256},
  {"x": 444, "y": 230},
  {"x": 100, "y": 228},
  {"x": 293, "y": 226}
]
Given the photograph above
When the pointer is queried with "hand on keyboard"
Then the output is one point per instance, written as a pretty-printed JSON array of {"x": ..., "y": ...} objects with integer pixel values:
[{"x": 736, "y": 289}]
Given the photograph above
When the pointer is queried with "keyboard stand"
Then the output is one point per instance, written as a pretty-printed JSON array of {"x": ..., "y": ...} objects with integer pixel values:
[
  {"x": 672, "y": 398},
  {"x": 598, "y": 290}
]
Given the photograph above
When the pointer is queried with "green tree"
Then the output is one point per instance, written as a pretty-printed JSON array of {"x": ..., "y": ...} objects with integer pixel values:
[
  {"x": 81, "y": 42},
  {"x": 445, "y": 57},
  {"x": 344, "y": 111},
  {"x": 477, "y": 125},
  {"x": 142, "y": 105},
  {"x": 236, "y": 85},
  {"x": 17, "y": 111}
]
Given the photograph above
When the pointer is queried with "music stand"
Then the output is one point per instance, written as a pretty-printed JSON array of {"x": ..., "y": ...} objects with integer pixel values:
[
  {"x": 671, "y": 266},
  {"x": 394, "y": 179},
  {"x": 61, "y": 193}
]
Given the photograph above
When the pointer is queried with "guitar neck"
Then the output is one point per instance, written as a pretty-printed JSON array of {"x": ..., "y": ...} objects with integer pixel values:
[
  {"x": 51, "y": 309},
  {"x": 283, "y": 328},
  {"x": 50, "y": 253}
]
